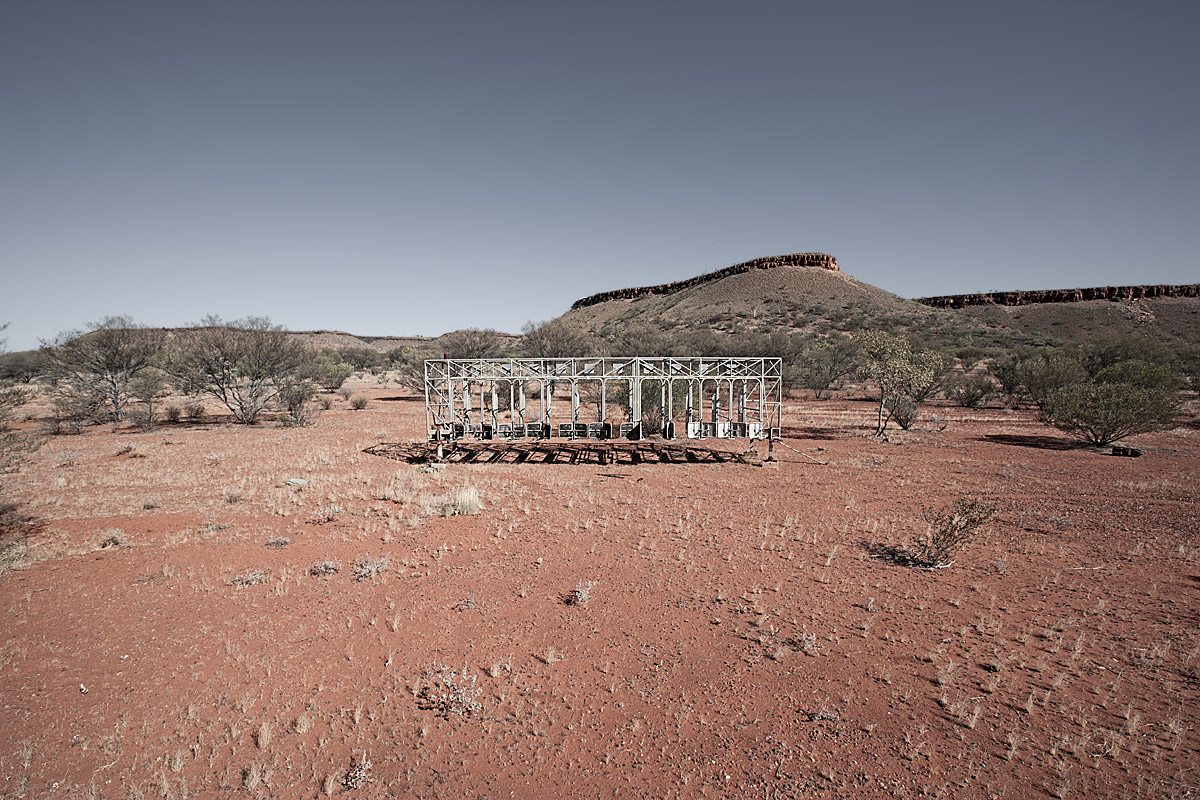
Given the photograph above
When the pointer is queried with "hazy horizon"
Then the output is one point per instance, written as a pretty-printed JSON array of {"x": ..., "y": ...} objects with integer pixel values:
[{"x": 389, "y": 170}]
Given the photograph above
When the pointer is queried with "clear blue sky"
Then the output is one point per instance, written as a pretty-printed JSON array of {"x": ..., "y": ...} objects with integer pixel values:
[{"x": 405, "y": 168}]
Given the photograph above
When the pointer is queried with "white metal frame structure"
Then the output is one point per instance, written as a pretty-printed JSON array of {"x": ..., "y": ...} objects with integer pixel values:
[{"x": 743, "y": 396}]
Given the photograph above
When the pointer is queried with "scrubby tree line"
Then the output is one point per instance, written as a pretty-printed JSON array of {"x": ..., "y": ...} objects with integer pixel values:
[
  {"x": 117, "y": 369},
  {"x": 1101, "y": 391}
]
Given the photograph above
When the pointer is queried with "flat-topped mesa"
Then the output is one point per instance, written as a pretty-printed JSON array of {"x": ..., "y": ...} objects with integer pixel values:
[
  {"x": 1112, "y": 293},
  {"x": 821, "y": 260}
]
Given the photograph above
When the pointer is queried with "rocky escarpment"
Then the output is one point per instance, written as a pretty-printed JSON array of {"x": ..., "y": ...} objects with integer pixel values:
[
  {"x": 1113, "y": 293},
  {"x": 822, "y": 260}
]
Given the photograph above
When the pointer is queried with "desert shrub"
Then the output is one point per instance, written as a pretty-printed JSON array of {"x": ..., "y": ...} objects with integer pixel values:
[
  {"x": 555, "y": 339},
  {"x": 1006, "y": 370},
  {"x": 296, "y": 397},
  {"x": 73, "y": 407},
  {"x": 581, "y": 594},
  {"x": 1102, "y": 413},
  {"x": 13, "y": 444},
  {"x": 365, "y": 567},
  {"x": 452, "y": 693},
  {"x": 141, "y": 417},
  {"x": 325, "y": 403},
  {"x": 1105, "y": 351},
  {"x": 358, "y": 357},
  {"x": 242, "y": 364},
  {"x": 173, "y": 413},
  {"x": 1144, "y": 374},
  {"x": 356, "y": 777},
  {"x": 652, "y": 421},
  {"x": 251, "y": 578},
  {"x": 359, "y": 402},
  {"x": 326, "y": 514},
  {"x": 1049, "y": 371},
  {"x": 345, "y": 392},
  {"x": 903, "y": 410},
  {"x": 194, "y": 410},
  {"x": 824, "y": 365},
  {"x": 474, "y": 343},
  {"x": 889, "y": 361},
  {"x": 970, "y": 391},
  {"x": 950, "y": 528},
  {"x": 104, "y": 360},
  {"x": 969, "y": 355},
  {"x": 328, "y": 373},
  {"x": 464, "y": 503},
  {"x": 19, "y": 367},
  {"x": 325, "y": 568}
]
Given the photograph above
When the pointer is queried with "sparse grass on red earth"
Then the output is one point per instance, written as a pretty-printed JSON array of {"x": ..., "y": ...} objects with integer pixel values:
[{"x": 189, "y": 624}]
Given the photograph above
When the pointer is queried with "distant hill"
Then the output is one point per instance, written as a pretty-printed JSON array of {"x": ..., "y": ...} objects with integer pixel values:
[
  {"x": 808, "y": 293},
  {"x": 337, "y": 339},
  {"x": 1163, "y": 312},
  {"x": 762, "y": 296}
]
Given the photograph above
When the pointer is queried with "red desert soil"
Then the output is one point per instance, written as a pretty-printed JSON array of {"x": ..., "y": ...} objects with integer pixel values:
[{"x": 740, "y": 639}]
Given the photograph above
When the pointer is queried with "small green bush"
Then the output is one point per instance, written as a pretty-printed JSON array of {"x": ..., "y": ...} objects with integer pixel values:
[
  {"x": 970, "y": 391},
  {"x": 903, "y": 410},
  {"x": 950, "y": 529},
  {"x": 296, "y": 397}
]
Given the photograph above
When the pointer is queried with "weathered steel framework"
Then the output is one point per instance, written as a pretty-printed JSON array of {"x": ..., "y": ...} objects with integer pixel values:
[{"x": 726, "y": 398}]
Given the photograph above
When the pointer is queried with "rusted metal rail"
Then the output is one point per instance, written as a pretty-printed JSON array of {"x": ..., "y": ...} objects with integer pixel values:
[{"x": 559, "y": 452}]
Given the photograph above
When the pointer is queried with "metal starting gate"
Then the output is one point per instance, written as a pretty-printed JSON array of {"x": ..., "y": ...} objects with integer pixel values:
[{"x": 485, "y": 398}]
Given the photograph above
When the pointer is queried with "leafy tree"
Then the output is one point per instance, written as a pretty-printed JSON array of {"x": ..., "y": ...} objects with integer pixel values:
[
  {"x": 147, "y": 387},
  {"x": 22, "y": 366},
  {"x": 411, "y": 367},
  {"x": 360, "y": 358},
  {"x": 1049, "y": 371},
  {"x": 242, "y": 364},
  {"x": 888, "y": 361},
  {"x": 1102, "y": 413},
  {"x": 1006, "y": 369},
  {"x": 902, "y": 409},
  {"x": 1142, "y": 374},
  {"x": 474, "y": 343},
  {"x": 932, "y": 368},
  {"x": 555, "y": 339},
  {"x": 327, "y": 372},
  {"x": 1103, "y": 352},
  {"x": 827, "y": 363},
  {"x": 104, "y": 359}
]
